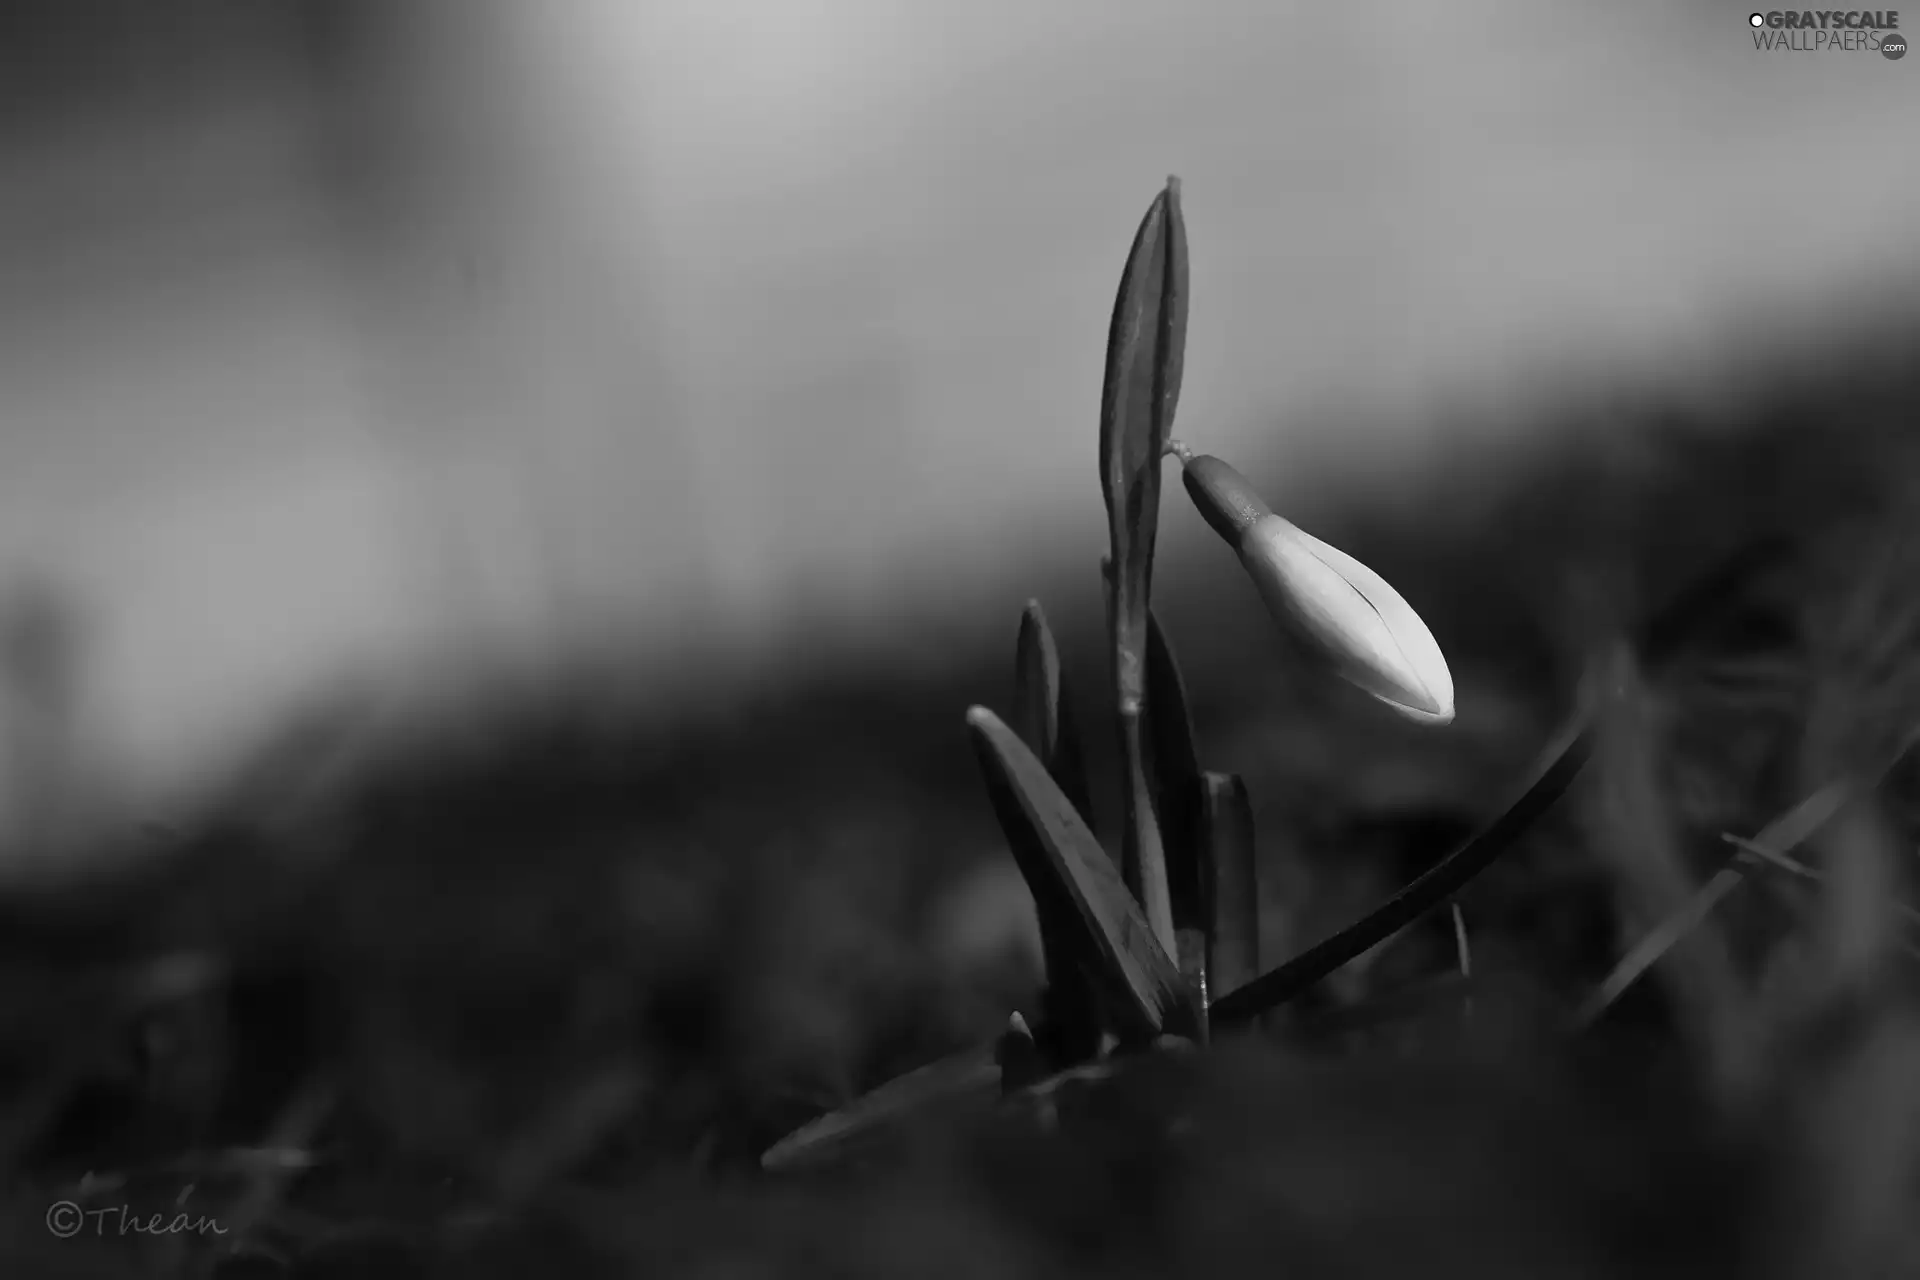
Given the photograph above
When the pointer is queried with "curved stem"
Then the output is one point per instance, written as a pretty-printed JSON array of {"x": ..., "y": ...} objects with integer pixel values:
[{"x": 1278, "y": 986}]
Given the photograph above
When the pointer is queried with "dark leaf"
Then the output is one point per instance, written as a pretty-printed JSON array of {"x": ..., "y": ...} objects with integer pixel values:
[
  {"x": 1173, "y": 771},
  {"x": 1071, "y": 876},
  {"x": 1146, "y": 346},
  {"x": 1173, "y": 779},
  {"x": 1043, "y": 717},
  {"x": 1233, "y": 890}
]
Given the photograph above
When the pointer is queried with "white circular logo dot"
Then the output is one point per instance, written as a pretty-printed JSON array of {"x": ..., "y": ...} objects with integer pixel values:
[{"x": 1756, "y": 19}]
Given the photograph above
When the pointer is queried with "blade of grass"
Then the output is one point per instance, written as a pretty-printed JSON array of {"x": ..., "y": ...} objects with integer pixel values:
[
  {"x": 1663, "y": 938},
  {"x": 1780, "y": 837},
  {"x": 1043, "y": 718},
  {"x": 1758, "y": 855},
  {"x": 1463, "y": 956},
  {"x": 1071, "y": 876},
  {"x": 1146, "y": 345},
  {"x": 1561, "y": 764},
  {"x": 970, "y": 1074},
  {"x": 1233, "y": 891},
  {"x": 1761, "y": 855}
]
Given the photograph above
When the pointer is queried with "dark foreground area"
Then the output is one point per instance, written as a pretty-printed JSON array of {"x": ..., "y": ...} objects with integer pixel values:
[{"x": 531, "y": 995}]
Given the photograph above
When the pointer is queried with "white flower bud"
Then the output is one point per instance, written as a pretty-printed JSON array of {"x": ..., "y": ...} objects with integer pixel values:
[{"x": 1336, "y": 609}]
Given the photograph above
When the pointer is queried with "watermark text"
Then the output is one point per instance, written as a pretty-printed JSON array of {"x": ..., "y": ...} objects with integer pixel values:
[
  {"x": 1829, "y": 30},
  {"x": 66, "y": 1219}
]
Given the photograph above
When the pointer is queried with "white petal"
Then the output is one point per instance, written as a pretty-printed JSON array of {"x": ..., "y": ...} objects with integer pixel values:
[
  {"x": 1371, "y": 635},
  {"x": 1421, "y": 651}
]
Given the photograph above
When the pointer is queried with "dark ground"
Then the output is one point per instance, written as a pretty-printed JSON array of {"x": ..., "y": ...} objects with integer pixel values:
[{"x": 531, "y": 997}]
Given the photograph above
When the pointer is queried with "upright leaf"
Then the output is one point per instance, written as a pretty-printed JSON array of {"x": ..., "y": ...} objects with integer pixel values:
[
  {"x": 1072, "y": 878},
  {"x": 1173, "y": 775},
  {"x": 1232, "y": 887},
  {"x": 1070, "y": 1026},
  {"x": 1146, "y": 345},
  {"x": 1042, "y": 714},
  {"x": 1146, "y": 348}
]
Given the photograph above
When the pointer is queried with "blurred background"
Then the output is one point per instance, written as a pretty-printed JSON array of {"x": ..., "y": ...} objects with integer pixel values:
[
  {"x": 394, "y": 344},
  {"x": 514, "y": 499}
]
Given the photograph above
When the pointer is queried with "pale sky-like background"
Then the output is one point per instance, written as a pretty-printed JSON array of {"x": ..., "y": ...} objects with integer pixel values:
[{"x": 729, "y": 328}]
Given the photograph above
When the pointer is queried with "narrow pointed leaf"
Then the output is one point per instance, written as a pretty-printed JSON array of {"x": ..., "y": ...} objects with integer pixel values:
[
  {"x": 1232, "y": 893},
  {"x": 1043, "y": 717},
  {"x": 1146, "y": 347},
  {"x": 1021, "y": 1059},
  {"x": 1143, "y": 859},
  {"x": 970, "y": 1076},
  {"x": 1173, "y": 770},
  {"x": 1173, "y": 778},
  {"x": 1070, "y": 875},
  {"x": 1560, "y": 765}
]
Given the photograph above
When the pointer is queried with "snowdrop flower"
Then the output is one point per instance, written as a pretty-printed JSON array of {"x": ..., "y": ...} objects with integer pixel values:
[{"x": 1343, "y": 614}]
